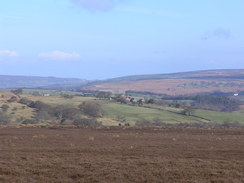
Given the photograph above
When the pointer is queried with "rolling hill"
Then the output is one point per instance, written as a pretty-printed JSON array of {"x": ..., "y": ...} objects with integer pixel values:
[
  {"x": 39, "y": 82},
  {"x": 182, "y": 83}
]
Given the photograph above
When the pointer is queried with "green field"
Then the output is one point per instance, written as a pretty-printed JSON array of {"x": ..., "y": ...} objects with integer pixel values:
[
  {"x": 132, "y": 114},
  {"x": 221, "y": 117},
  {"x": 115, "y": 113}
]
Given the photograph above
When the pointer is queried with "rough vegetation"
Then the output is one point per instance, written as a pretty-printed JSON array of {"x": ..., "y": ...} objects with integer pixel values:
[
  {"x": 117, "y": 109},
  {"x": 187, "y": 83},
  {"x": 121, "y": 154},
  {"x": 61, "y": 137}
]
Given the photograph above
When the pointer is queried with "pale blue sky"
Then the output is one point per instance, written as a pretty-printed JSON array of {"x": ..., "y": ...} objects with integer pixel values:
[{"x": 98, "y": 39}]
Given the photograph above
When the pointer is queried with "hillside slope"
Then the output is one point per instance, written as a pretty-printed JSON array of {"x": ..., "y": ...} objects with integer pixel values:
[
  {"x": 175, "y": 83},
  {"x": 34, "y": 82}
]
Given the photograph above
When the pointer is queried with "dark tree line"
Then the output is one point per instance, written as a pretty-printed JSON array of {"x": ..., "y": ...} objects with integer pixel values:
[
  {"x": 218, "y": 103},
  {"x": 104, "y": 95}
]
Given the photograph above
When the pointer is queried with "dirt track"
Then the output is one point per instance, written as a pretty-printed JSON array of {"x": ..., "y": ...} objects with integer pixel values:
[{"x": 56, "y": 154}]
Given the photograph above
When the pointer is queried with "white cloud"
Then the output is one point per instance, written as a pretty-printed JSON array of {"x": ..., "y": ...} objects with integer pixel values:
[
  {"x": 8, "y": 53},
  {"x": 58, "y": 55},
  {"x": 219, "y": 33}
]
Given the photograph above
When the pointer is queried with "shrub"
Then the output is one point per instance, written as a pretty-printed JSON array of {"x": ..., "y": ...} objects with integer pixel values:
[
  {"x": 5, "y": 107},
  {"x": 188, "y": 111},
  {"x": 42, "y": 115},
  {"x": 36, "y": 93},
  {"x": 13, "y": 99},
  {"x": 29, "y": 121},
  {"x": 25, "y": 101},
  {"x": 15, "y": 109},
  {"x": 39, "y": 106},
  {"x": 143, "y": 123},
  {"x": 67, "y": 96},
  {"x": 64, "y": 113},
  {"x": 4, "y": 118},
  {"x": 91, "y": 109},
  {"x": 150, "y": 101},
  {"x": 87, "y": 122},
  {"x": 17, "y": 91},
  {"x": 120, "y": 118},
  {"x": 104, "y": 94}
]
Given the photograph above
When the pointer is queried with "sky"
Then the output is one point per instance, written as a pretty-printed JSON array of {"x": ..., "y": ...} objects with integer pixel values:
[{"x": 100, "y": 39}]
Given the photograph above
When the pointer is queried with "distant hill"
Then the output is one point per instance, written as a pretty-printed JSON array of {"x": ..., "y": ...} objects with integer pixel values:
[
  {"x": 182, "y": 83},
  {"x": 39, "y": 82}
]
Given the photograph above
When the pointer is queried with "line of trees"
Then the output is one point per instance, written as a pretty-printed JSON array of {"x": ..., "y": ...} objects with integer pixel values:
[
  {"x": 217, "y": 103},
  {"x": 65, "y": 114}
]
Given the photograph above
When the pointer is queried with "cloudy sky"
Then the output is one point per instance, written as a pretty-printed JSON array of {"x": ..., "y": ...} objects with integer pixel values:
[{"x": 98, "y": 39}]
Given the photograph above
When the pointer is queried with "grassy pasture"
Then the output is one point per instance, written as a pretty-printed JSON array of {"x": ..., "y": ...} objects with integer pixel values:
[
  {"x": 116, "y": 112},
  {"x": 132, "y": 114},
  {"x": 220, "y": 117},
  {"x": 209, "y": 116}
]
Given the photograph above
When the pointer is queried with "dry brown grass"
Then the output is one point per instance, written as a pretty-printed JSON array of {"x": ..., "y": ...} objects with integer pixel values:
[
  {"x": 165, "y": 86},
  {"x": 5, "y": 96},
  {"x": 121, "y": 154},
  {"x": 108, "y": 122},
  {"x": 21, "y": 111},
  {"x": 56, "y": 100}
]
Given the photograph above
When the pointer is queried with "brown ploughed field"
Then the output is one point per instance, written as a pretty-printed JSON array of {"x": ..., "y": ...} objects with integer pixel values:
[{"x": 120, "y": 154}]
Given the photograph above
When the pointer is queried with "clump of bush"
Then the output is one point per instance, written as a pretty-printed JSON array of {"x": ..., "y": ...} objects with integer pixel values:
[
  {"x": 4, "y": 118},
  {"x": 5, "y": 107},
  {"x": 188, "y": 111},
  {"x": 29, "y": 121},
  {"x": 87, "y": 122},
  {"x": 39, "y": 106},
  {"x": 104, "y": 95},
  {"x": 13, "y": 99},
  {"x": 67, "y": 96},
  {"x": 91, "y": 109},
  {"x": 25, "y": 101},
  {"x": 18, "y": 91},
  {"x": 15, "y": 109},
  {"x": 64, "y": 114}
]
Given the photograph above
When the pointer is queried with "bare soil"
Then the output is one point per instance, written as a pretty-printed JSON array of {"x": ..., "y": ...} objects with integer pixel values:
[{"x": 119, "y": 154}]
